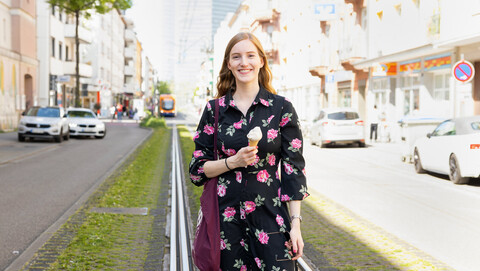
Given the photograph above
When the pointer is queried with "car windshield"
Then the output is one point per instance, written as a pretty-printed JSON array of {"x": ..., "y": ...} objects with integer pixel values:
[
  {"x": 48, "y": 112},
  {"x": 80, "y": 114},
  {"x": 344, "y": 115}
]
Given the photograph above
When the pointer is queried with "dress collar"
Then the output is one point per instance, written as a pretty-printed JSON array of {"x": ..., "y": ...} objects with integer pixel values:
[{"x": 263, "y": 98}]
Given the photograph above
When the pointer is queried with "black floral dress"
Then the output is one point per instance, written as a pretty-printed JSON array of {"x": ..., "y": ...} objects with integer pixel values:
[{"x": 254, "y": 218}]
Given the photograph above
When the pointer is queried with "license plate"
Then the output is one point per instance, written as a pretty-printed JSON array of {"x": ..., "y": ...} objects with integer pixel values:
[
  {"x": 474, "y": 146},
  {"x": 36, "y": 131}
]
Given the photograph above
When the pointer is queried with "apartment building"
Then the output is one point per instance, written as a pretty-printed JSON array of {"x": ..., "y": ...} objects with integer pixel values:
[
  {"x": 106, "y": 55},
  {"x": 18, "y": 61},
  {"x": 57, "y": 56}
]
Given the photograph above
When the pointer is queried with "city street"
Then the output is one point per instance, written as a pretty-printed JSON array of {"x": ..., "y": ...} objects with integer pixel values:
[
  {"x": 43, "y": 182},
  {"x": 426, "y": 211}
]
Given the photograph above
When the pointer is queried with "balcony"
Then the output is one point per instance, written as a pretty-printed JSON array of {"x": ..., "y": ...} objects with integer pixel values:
[
  {"x": 129, "y": 53},
  {"x": 321, "y": 59},
  {"x": 84, "y": 35},
  {"x": 85, "y": 70},
  {"x": 129, "y": 35},
  {"x": 129, "y": 88},
  {"x": 129, "y": 70}
]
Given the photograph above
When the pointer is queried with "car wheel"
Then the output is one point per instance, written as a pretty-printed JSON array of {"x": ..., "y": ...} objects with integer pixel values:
[
  {"x": 59, "y": 137},
  {"x": 67, "y": 136},
  {"x": 21, "y": 138},
  {"x": 361, "y": 144},
  {"x": 455, "y": 174},
  {"x": 417, "y": 163}
]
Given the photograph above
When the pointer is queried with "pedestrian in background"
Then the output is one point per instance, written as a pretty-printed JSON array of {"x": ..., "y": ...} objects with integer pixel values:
[
  {"x": 259, "y": 209},
  {"x": 374, "y": 123},
  {"x": 119, "y": 111}
]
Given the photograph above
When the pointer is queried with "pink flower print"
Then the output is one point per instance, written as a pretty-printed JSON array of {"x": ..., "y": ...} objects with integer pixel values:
[
  {"x": 262, "y": 176},
  {"x": 222, "y": 244},
  {"x": 242, "y": 243},
  {"x": 229, "y": 212},
  {"x": 265, "y": 103},
  {"x": 200, "y": 170},
  {"x": 221, "y": 101},
  {"x": 238, "y": 176},
  {"x": 250, "y": 206},
  {"x": 279, "y": 193},
  {"x": 288, "y": 168},
  {"x": 304, "y": 172},
  {"x": 270, "y": 118},
  {"x": 232, "y": 103},
  {"x": 259, "y": 262},
  {"x": 271, "y": 160},
  {"x": 296, "y": 143},
  {"x": 263, "y": 238},
  {"x": 272, "y": 134},
  {"x": 209, "y": 106},
  {"x": 279, "y": 220},
  {"x": 229, "y": 152},
  {"x": 195, "y": 178},
  {"x": 238, "y": 125},
  {"x": 284, "y": 121},
  {"x": 221, "y": 190},
  {"x": 243, "y": 268},
  {"x": 285, "y": 198},
  {"x": 196, "y": 135},
  {"x": 256, "y": 160},
  {"x": 197, "y": 154},
  {"x": 277, "y": 175},
  {"x": 288, "y": 100},
  {"x": 208, "y": 130},
  {"x": 242, "y": 213}
]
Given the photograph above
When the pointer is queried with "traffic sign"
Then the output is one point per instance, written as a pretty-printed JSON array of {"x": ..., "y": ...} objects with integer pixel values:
[{"x": 463, "y": 71}]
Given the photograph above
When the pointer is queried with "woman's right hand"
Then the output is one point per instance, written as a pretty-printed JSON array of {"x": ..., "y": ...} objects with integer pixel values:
[{"x": 244, "y": 157}]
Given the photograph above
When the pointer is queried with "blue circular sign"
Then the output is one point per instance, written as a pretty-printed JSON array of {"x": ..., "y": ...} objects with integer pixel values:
[{"x": 463, "y": 71}]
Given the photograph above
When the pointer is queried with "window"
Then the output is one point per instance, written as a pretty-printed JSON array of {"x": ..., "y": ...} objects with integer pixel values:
[
  {"x": 53, "y": 47},
  {"x": 53, "y": 10},
  {"x": 66, "y": 53},
  {"x": 60, "y": 49},
  {"x": 441, "y": 87}
]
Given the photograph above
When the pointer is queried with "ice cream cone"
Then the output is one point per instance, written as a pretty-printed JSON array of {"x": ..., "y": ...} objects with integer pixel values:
[
  {"x": 254, "y": 136},
  {"x": 253, "y": 143}
]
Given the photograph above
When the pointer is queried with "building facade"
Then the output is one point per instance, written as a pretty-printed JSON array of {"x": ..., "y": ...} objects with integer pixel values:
[{"x": 18, "y": 61}]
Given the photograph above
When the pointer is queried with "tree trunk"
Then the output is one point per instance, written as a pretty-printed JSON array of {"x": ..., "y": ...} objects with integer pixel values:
[{"x": 77, "y": 61}]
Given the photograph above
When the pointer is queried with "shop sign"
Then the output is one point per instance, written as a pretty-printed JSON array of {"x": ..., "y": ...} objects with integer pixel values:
[
  {"x": 384, "y": 69},
  {"x": 410, "y": 66},
  {"x": 437, "y": 62},
  {"x": 463, "y": 71},
  {"x": 63, "y": 78}
]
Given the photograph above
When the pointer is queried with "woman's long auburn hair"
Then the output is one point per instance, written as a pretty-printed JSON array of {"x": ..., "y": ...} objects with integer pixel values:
[{"x": 226, "y": 80}]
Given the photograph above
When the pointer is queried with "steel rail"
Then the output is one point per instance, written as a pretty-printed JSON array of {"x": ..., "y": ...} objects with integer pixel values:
[{"x": 179, "y": 238}]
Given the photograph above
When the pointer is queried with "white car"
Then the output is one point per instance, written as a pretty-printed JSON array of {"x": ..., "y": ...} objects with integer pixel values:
[
  {"x": 337, "y": 126},
  {"x": 83, "y": 122},
  {"x": 453, "y": 149},
  {"x": 43, "y": 122}
]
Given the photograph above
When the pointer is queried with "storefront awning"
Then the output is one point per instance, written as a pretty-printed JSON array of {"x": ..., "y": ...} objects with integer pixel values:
[{"x": 421, "y": 51}]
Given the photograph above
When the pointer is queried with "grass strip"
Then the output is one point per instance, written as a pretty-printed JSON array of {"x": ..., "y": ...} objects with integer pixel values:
[
  {"x": 115, "y": 241},
  {"x": 334, "y": 238}
]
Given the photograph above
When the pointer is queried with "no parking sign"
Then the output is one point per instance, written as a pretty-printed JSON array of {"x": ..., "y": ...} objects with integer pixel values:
[{"x": 463, "y": 71}]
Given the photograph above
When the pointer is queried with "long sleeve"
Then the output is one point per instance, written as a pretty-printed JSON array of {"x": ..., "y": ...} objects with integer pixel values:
[
  {"x": 203, "y": 139},
  {"x": 293, "y": 180}
]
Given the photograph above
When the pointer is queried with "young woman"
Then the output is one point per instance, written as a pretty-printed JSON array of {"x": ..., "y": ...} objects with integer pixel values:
[{"x": 259, "y": 205}]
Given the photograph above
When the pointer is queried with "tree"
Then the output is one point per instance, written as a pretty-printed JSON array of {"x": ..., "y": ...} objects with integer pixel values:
[
  {"x": 83, "y": 8},
  {"x": 163, "y": 87}
]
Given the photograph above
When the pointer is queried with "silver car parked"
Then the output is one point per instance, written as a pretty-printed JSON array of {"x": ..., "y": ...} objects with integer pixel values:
[
  {"x": 44, "y": 122},
  {"x": 337, "y": 126}
]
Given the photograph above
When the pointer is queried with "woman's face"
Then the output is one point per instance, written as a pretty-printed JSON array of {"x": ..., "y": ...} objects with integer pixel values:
[{"x": 245, "y": 62}]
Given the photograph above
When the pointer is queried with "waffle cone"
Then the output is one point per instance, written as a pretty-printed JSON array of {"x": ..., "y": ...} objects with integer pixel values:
[{"x": 253, "y": 143}]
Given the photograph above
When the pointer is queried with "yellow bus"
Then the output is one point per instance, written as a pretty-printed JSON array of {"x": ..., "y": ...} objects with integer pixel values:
[{"x": 167, "y": 105}]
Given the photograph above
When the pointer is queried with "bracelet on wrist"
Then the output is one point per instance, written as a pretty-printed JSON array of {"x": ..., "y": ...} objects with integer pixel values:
[
  {"x": 296, "y": 216},
  {"x": 226, "y": 164}
]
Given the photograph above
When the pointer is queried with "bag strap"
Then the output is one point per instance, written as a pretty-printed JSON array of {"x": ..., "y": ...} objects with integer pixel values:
[{"x": 215, "y": 131}]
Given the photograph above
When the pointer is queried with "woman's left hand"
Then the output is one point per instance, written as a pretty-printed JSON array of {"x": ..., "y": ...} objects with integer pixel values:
[{"x": 296, "y": 239}]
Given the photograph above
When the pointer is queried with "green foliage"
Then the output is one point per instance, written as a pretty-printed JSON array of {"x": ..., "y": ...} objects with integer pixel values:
[
  {"x": 87, "y": 6},
  {"x": 153, "y": 122},
  {"x": 163, "y": 87}
]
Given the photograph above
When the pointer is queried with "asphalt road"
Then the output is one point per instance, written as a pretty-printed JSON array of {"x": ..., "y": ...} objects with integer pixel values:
[
  {"x": 427, "y": 211},
  {"x": 43, "y": 181}
]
